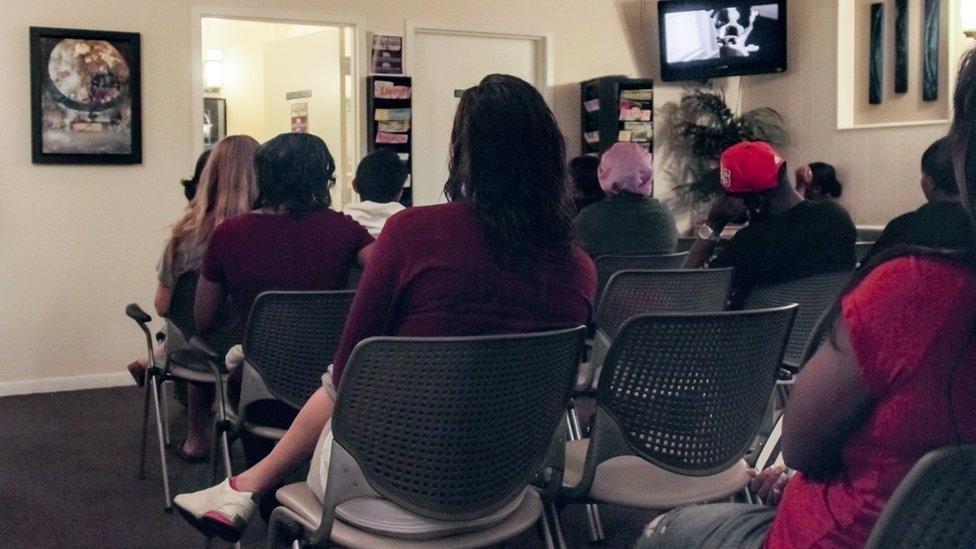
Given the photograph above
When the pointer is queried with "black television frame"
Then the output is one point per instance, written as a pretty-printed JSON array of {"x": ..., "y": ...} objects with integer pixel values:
[{"x": 704, "y": 70}]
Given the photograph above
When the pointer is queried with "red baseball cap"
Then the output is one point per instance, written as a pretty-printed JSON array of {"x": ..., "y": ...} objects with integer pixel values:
[{"x": 750, "y": 167}]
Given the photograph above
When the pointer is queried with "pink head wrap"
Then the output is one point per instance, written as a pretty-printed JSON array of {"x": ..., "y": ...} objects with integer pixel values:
[{"x": 627, "y": 168}]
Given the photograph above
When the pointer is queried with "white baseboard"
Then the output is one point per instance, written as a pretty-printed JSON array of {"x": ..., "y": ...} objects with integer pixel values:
[{"x": 59, "y": 384}]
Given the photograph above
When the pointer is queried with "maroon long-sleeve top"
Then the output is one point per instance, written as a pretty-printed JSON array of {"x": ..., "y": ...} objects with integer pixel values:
[{"x": 432, "y": 274}]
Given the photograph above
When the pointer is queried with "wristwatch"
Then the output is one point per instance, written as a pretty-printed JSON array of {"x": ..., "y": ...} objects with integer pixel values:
[{"x": 705, "y": 232}]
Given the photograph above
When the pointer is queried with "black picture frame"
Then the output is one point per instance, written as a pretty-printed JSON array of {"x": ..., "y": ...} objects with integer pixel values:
[
  {"x": 214, "y": 112},
  {"x": 876, "y": 62},
  {"x": 901, "y": 46},
  {"x": 118, "y": 121},
  {"x": 930, "y": 50}
]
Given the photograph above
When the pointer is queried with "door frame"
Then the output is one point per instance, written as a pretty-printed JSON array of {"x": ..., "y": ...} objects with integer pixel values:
[
  {"x": 357, "y": 68},
  {"x": 545, "y": 71}
]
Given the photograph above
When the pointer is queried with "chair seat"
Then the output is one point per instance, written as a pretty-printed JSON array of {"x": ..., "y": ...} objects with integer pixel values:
[
  {"x": 634, "y": 482},
  {"x": 191, "y": 366},
  {"x": 308, "y": 510}
]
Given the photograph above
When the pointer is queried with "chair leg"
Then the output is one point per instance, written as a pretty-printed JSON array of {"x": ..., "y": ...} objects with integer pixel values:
[
  {"x": 572, "y": 420},
  {"x": 164, "y": 400},
  {"x": 552, "y": 514},
  {"x": 215, "y": 455},
  {"x": 594, "y": 525},
  {"x": 145, "y": 430},
  {"x": 162, "y": 445},
  {"x": 225, "y": 453},
  {"x": 545, "y": 533},
  {"x": 748, "y": 496}
]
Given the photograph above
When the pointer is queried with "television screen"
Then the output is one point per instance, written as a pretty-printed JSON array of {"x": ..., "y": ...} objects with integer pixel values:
[{"x": 701, "y": 40}]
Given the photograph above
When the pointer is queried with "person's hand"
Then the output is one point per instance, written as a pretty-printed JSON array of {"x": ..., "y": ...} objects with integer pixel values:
[
  {"x": 804, "y": 177},
  {"x": 724, "y": 210},
  {"x": 769, "y": 484}
]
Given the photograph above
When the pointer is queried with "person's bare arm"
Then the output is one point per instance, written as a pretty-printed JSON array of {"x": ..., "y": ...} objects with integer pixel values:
[
  {"x": 164, "y": 294},
  {"x": 207, "y": 302},
  {"x": 828, "y": 402},
  {"x": 364, "y": 254},
  {"x": 723, "y": 211}
]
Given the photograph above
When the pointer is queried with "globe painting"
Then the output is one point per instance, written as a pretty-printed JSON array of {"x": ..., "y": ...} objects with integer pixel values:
[{"x": 86, "y": 88}]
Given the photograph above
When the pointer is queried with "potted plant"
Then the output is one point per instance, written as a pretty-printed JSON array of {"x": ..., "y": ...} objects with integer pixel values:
[{"x": 697, "y": 129}]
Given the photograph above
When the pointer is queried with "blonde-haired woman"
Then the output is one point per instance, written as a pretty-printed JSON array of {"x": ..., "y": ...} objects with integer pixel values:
[{"x": 227, "y": 187}]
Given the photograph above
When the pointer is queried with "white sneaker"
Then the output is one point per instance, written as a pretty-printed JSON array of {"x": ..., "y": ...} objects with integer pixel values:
[{"x": 220, "y": 510}]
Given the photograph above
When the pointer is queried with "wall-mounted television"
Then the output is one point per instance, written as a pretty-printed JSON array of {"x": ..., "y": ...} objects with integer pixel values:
[{"x": 719, "y": 38}]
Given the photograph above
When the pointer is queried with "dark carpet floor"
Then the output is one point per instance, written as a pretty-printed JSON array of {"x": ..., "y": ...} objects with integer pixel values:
[{"x": 68, "y": 478}]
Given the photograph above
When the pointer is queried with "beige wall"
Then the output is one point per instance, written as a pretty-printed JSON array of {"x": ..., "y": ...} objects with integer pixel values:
[
  {"x": 79, "y": 243},
  {"x": 906, "y": 107},
  {"x": 879, "y": 167}
]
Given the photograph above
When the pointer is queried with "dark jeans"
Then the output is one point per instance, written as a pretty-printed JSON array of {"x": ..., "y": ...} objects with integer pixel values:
[
  {"x": 271, "y": 413},
  {"x": 714, "y": 526}
]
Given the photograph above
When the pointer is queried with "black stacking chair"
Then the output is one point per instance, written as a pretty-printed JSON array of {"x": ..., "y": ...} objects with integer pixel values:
[
  {"x": 609, "y": 265},
  {"x": 436, "y": 441},
  {"x": 680, "y": 399},
  {"x": 685, "y": 243},
  {"x": 180, "y": 363},
  {"x": 861, "y": 250},
  {"x": 289, "y": 342},
  {"x": 815, "y": 295},
  {"x": 866, "y": 233},
  {"x": 631, "y": 293},
  {"x": 934, "y": 506}
]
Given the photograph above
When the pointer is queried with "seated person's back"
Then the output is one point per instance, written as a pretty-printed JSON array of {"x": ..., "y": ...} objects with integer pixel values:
[
  {"x": 628, "y": 221},
  {"x": 787, "y": 238},
  {"x": 293, "y": 241},
  {"x": 917, "y": 373},
  {"x": 499, "y": 258},
  {"x": 379, "y": 182},
  {"x": 942, "y": 222}
]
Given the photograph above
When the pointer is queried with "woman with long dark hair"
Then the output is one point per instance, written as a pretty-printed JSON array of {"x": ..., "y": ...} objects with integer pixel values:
[
  {"x": 890, "y": 385},
  {"x": 498, "y": 258}
]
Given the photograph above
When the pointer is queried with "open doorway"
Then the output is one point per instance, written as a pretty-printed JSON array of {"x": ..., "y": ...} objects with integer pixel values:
[{"x": 262, "y": 77}]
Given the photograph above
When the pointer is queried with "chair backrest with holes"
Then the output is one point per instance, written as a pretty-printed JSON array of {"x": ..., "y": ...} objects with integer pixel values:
[
  {"x": 935, "y": 504},
  {"x": 609, "y": 265},
  {"x": 229, "y": 329},
  {"x": 688, "y": 391},
  {"x": 455, "y": 428},
  {"x": 291, "y": 338},
  {"x": 630, "y": 293},
  {"x": 815, "y": 295}
]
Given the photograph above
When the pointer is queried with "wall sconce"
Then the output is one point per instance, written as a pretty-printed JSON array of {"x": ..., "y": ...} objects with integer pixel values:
[
  {"x": 213, "y": 71},
  {"x": 968, "y": 13}
]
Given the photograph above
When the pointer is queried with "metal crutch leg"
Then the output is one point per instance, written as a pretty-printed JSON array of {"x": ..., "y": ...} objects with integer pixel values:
[
  {"x": 145, "y": 430},
  {"x": 225, "y": 453},
  {"x": 162, "y": 447},
  {"x": 165, "y": 403}
]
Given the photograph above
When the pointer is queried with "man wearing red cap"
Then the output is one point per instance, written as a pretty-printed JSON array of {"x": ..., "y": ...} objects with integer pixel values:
[{"x": 787, "y": 237}]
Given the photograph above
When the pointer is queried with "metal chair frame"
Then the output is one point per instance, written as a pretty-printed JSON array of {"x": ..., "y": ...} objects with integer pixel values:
[
  {"x": 609, "y": 439},
  {"x": 934, "y": 506},
  {"x": 815, "y": 295},
  {"x": 354, "y": 473},
  {"x": 258, "y": 383}
]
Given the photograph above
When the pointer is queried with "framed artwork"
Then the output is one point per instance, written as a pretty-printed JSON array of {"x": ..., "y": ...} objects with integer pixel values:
[
  {"x": 85, "y": 97},
  {"x": 214, "y": 121}
]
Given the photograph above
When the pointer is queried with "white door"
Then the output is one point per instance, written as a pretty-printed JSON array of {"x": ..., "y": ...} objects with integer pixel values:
[{"x": 446, "y": 63}]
